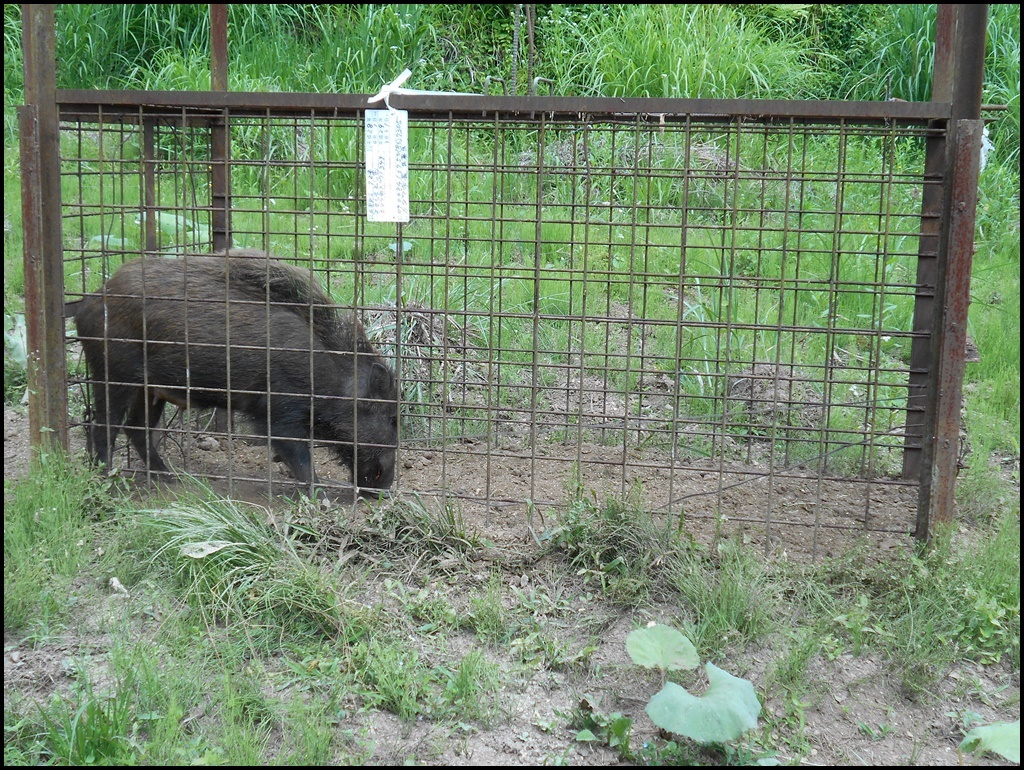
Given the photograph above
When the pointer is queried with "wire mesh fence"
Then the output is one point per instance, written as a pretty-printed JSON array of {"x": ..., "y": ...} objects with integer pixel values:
[{"x": 709, "y": 314}]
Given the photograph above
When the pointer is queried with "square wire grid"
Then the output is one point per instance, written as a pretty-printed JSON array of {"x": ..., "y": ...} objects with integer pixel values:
[{"x": 710, "y": 317}]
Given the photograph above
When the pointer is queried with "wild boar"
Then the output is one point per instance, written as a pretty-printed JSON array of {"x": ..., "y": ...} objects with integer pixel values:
[{"x": 246, "y": 333}]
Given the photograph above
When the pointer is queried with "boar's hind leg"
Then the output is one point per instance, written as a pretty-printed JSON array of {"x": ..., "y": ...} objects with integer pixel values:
[{"x": 140, "y": 429}]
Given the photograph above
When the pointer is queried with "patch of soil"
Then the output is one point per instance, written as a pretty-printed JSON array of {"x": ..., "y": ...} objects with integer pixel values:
[
  {"x": 857, "y": 713},
  {"x": 507, "y": 483}
]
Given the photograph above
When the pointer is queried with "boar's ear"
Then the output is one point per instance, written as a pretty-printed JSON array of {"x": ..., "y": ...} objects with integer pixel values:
[{"x": 375, "y": 381}]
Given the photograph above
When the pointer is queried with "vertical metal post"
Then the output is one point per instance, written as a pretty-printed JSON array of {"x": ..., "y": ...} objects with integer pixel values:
[
  {"x": 219, "y": 47},
  {"x": 149, "y": 199},
  {"x": 220, "y": 172},
  {"x": 936, "y": 150},
  {"x": 531, "y": 18},
  {"x": 220, "y": 181},
  {"x": 941, "y": 445},
  {"x": 41, "y": 220}
]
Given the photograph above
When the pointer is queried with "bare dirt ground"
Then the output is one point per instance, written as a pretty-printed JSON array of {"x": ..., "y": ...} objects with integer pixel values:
[{"x": 857, "y": 714}]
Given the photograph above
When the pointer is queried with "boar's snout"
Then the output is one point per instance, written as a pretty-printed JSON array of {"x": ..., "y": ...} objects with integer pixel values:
[{"x": 378, "y": 471}]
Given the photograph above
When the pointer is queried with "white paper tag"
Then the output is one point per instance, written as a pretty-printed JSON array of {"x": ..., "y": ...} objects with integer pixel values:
[{"x": 387, "y": 165}]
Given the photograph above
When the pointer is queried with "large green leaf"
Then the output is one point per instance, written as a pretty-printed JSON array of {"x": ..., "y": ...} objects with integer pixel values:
[
  {"x": 110, "y": 242},
  {"x": 15, "y": 340},
  {"x": 1002, "y": 738},
  {"x": 723, "y": 713},
  {"x": 661, "y": 647},
  {"x": 204, "y": 549}
]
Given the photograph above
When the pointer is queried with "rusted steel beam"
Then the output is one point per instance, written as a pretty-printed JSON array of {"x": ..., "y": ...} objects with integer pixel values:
[
  {"x": 945, "y": 52},
  {"x": 972, "y": 25},
  {"x": 932, "y": 197},
  {"x": 937, "y": 510},
  {"x": 41, "y": 220},
  {"x": 220, "y": 150},
  {"x": 220, "y": 184},
  {"x": 220, "y": 141},
  {"x": 83, "y": 103},
  {"x": 941, "y": 447},
  {"x": 149, "y": 209},
  {"x": 218, "y": 47},
  {"x": 32, "y": 235}
]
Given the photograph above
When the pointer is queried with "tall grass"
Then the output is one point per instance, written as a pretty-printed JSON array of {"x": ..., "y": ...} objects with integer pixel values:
[
  {"x": 704, "y": 51},
  {"x": 992, "y": 389},
  {"x": 47, "y": 541},
  {"x": 899, "y": 57},
  {"x": 1002, "y": 82},
  {"x": 898, "y": 61},
  {"x": 110, "y": 45},
  {"x": 294, "y": 48},
  {"x": 233, "y": 563}
]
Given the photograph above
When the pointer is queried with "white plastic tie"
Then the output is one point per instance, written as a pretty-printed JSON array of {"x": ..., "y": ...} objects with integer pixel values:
[{"x": 395, "y": 87}]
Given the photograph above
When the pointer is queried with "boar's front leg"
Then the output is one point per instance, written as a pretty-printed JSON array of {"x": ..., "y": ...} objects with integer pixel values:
[{"x": 293, "y": 451}]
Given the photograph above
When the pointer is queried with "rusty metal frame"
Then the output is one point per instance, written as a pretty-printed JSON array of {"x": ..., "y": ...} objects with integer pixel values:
[
  {"x": 944, "y": 262},
  {"x": 947, "y": 214},
  {"x": 41, "y": 219},
  {"x": 80, "y": 104}
]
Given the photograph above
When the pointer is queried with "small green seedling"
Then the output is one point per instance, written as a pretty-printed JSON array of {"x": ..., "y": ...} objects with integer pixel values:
[{"x": 723, "y": 713}]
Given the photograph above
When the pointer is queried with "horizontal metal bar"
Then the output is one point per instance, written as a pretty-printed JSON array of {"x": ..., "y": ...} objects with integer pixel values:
[{"x": 476, "y": 106}]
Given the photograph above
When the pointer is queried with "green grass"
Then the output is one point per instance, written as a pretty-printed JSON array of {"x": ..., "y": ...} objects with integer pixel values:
[
  {"x": 709, "y": 52},
  {"x": 897, "y": 62},
  {"x": 146, "y": 710},
  {"x": 899, "y": 57},
  {"x": 729, "y": 599},
  {"x": 233, "y": 564},
  {"x": 613, "y": 547},
  {"x": 992, "y": 387},
  {"x": 90, "y": 729},
  {"x": 1002, "y": 80},
  {"x": 47, "y": 541}
]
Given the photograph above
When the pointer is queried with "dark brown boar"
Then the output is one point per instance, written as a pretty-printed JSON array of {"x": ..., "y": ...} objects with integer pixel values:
[{"x": 245, "y": 333}]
